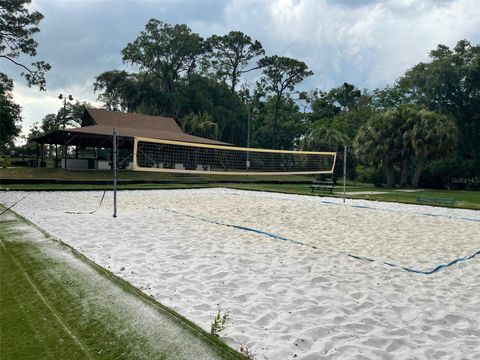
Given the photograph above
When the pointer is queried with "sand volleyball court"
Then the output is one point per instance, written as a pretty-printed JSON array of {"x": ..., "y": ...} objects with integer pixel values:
[{"x": 282, "y": 266}]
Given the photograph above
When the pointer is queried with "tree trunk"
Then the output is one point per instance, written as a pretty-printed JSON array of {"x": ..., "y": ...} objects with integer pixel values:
[
  {"x": 389, "y": 173},
  {"x": 275, "y": 117},
  {"x": 234, "y": 82},
  {"x": 417, "y": 173},
  {"x": 404, "y": 173}
]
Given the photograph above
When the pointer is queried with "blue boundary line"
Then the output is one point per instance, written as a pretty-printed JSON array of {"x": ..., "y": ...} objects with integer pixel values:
[
  {"x": 278, "y": 237},
  {"x": 391, "y": 210}
]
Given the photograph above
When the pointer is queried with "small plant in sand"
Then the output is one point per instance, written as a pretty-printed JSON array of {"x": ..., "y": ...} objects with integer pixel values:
[
  {"x": 247, "y": 352},
  {"x": 219, "y": 323}
]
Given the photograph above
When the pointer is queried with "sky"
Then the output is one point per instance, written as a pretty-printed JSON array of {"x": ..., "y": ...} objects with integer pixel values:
[{"x": 367, "y": 43}]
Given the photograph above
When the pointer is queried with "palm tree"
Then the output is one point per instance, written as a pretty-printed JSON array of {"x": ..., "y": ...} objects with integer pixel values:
[
  {"x": 401, "y": 121},
  {"x": 433, "y": 137},
  {"x": 201, "y": 124},
  {"x": 323, "y": 138},
  {"x": 375, "y": 143}
]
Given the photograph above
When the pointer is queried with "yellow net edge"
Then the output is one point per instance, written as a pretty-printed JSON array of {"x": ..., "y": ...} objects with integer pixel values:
[{"x": 137, "y": 167}]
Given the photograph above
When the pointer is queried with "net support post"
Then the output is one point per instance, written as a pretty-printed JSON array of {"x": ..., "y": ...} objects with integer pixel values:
[
  {"x": 114, "y": 163},
  {"x": 344, "y": 171}
]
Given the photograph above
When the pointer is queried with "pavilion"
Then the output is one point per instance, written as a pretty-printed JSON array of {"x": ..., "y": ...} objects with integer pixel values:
[{"x": 92, "y": 141}]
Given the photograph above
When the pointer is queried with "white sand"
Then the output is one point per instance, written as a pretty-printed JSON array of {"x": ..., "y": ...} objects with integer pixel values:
[{"x": 286, "y": 300}]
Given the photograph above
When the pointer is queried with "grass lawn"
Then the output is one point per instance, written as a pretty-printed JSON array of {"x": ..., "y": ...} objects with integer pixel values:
[
  {"x": 56, "y": 304},
  {"x": 25, "y": 173},
  {"x": 285, "y": 184},
  {"x": 463, "y": 199}
]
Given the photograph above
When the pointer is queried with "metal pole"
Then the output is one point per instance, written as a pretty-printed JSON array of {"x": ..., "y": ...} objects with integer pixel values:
[
  {"x": 38, "y": 155},
  {"x": 42, "y": 151},
  {"x": 64, "y": 111},
  {"x": 344, "y": 170},
  {"x": 248, "y": 139},
  {"x": 114, "y": 173},
  {"x": 65, "y": 155}
]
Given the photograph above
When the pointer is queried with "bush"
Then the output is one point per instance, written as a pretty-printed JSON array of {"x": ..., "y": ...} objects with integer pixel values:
[
  {"x": 454, "y": 173},
  {"x": 4, "y": 162},
  {"x": 370, "y": 174}
]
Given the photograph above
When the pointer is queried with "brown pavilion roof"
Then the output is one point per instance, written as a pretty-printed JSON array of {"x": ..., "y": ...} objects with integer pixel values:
[
  {"x": 129, "y": 120},
  {"x": 98, "y": 124}
]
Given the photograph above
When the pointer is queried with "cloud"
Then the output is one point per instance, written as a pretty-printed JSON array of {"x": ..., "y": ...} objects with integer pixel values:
[
  {"x": 365, "y": 42},
  {"x": 36, "y": 104},
  {"x": 369, "y": 43}
]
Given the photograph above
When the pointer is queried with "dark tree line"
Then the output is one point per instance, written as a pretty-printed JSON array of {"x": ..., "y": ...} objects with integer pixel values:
[
  {"x": 423, "y": 130},
  {"x": 426, "y": 123},
  {"x": 189, "y": 78},
  {"x": 17, "y": 27}
]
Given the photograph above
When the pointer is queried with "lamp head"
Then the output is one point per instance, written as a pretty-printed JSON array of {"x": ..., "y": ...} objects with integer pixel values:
[
  {"x": 70, "y": 97},
  {"x": 60, "y": 96}
]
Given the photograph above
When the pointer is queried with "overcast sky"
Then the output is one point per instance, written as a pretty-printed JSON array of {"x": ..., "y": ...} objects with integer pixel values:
[{"x": 367, "y": 43}]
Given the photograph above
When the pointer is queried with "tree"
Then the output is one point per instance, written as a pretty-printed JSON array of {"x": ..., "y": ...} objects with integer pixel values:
[
  {"x": 323, "y": 106},
  {"x": 117, "y": 90},
  {"x": 204, "y": 95},
  {"x": 345, "y": 108},
  {"x": 374, "y": 144},
  {"x": 291, "y": 124},
  {"x": 64, "y": 118},
  {"x": 323, "y": 138},
  {"x": 166, "y": 51},
  {"x": 232, "y": 54},
  {"x": 50, "y": 122},
  {"x": 388, "y": 98},
  {"x": 17, "y": 27},
  {"x": 450, "y": 85},
  {"x": 433, "y": 137},
  {"x": 202, "y": 125},
  {"x": 405, "y": 136},
  {"x": 346, "y": 96},
  {"x": 280, "y": 75},
  {"x": 10, "y": 118},
  {"x": 401, "y": 121}
]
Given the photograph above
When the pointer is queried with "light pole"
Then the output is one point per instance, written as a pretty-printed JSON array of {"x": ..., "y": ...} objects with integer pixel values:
[
  {"x": 65, "y": 98},
  {"x": 344, "y": 171},
  {"x": 248, "y": 138}
]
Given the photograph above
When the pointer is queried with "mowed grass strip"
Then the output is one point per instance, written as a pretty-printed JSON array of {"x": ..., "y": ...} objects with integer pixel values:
[
  {"x": 294, "y": 184},
  {"x": 463, "y": 199},
  {"x": 25, "y": 173},
  {"x": 56, "y": 305}
]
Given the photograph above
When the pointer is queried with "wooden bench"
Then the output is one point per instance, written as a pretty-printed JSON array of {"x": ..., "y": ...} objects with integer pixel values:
[
  {"x": 437, "y": 201},
  {"x": 326, "y": 185}
]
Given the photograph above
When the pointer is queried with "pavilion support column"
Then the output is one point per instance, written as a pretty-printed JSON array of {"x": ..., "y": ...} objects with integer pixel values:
[
  {"x": 65, "y": 155},
  {"x": 56, "y": 155},
  {"x": 42, "y": 157},
  {"x": 38, "y": 161}
]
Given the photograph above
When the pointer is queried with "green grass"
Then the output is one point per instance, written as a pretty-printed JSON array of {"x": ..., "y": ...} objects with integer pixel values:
[
  {"x": 25, "y": 173},
  {"x": 56, "y": 304},
  {"x": 463, "y": 199},
  {"x": 283, "y": 184}
]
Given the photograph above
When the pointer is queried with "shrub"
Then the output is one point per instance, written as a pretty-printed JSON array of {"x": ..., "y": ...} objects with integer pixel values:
[
  {"x": 370, "y": 174},
  {"x": 219, "y": 323}
]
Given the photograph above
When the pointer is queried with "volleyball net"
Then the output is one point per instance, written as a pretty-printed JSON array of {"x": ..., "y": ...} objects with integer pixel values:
[{"x": 183, "y": 157}]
